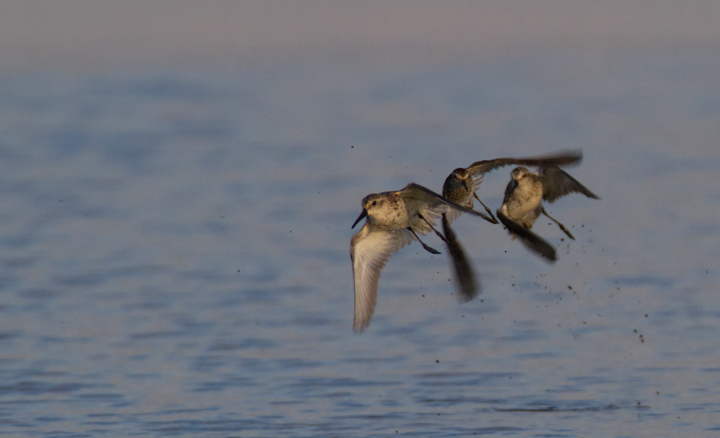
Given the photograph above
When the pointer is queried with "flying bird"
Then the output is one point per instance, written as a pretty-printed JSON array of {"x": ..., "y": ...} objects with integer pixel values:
[
  {"x": 460, "y": 186},
  {"x": 522, "y": 204},
  {"x": 393, "y": 220}
]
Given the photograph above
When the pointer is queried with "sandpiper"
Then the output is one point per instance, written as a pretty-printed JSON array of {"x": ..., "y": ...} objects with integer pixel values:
[
  {"x": 522, "y": 204},
  {"x": 394, "y": 219},
  {"x": 461, "y": 184}
]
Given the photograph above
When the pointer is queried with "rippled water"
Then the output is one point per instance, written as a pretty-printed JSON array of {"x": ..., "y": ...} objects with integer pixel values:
[{"x": 174, "y": 251}]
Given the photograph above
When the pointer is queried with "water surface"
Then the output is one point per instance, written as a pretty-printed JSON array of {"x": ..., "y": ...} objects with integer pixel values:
[{"x": 174, "y": 251}]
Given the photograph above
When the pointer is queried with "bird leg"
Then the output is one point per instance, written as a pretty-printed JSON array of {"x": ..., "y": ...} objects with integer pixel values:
[
  {"x": 429, "y": 249},
  {"x": 490, "y": 219},
  {"x": 433, "y": 228},
  {"x": 562, "y": 227}
]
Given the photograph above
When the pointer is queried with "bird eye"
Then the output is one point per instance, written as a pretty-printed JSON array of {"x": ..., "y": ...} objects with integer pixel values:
[{"x": 374, "y": 203}]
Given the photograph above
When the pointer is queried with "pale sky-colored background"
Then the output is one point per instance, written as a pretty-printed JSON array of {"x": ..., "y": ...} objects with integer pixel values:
[{"x": 73, "y": 34}]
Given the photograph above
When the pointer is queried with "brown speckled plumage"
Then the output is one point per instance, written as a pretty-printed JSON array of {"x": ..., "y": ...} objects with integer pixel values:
[{"x": 460, "y": 186}]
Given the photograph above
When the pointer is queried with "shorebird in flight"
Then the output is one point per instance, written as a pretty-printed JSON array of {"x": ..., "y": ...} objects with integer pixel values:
[
  {"x": 393, "y": 220},
  {"x": 522, "y": 204},
  {"x": 460, "y": 186}
]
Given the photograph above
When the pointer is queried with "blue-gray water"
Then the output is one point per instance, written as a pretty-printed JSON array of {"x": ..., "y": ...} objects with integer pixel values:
[{"x": 174, "y": 251}]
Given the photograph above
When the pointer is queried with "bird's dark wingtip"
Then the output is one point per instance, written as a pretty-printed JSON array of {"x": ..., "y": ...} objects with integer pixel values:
[{"x": 531, "y": 240}]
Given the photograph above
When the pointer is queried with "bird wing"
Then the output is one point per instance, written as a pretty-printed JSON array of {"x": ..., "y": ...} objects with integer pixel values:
[
  {"x": 370, "y": 251},
  {"x": 558, "y": 183},
  {"x": 434, "y": 202},
  {"x": 509, "y": 189},
  {"x": 556, "y": 159},
  {"x": 462, "y": 270},
  {"x": 453, "y": 214},
  {"x": 531, "y": 240}
]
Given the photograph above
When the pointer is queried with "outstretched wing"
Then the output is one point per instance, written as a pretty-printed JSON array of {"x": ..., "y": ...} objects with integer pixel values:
[
  {"x": 462, "y": 269},
  {"x": 531, "y": 240},
  {"x": 432, "y": 201},
  {"x": 369, "y": 252},
  {"x": 556, "y": 159},
  {"x": 558, "y": 183}
]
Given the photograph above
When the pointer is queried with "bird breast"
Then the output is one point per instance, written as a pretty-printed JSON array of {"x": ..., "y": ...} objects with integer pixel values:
[
  {"x": 525, "y": 200},
  {"x": 392, "y": 216},
  {"x": 456, "y": 191}
]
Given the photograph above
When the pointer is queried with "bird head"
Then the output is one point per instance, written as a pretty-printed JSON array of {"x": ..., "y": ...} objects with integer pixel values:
[
  {"x": 370, "y": 204},
  {"x": 519, "y": 173}
]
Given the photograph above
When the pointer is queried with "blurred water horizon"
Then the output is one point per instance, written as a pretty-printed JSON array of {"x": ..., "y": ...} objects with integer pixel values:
[{"x": 105, "y": 36}]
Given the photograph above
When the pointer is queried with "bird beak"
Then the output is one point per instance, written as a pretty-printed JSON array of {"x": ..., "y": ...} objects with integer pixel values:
[
  {"x": 362, "y": 215},
  {"x": 465, "y": 185}
]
